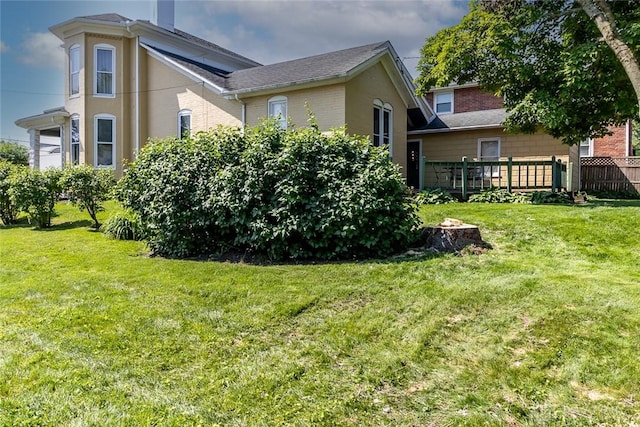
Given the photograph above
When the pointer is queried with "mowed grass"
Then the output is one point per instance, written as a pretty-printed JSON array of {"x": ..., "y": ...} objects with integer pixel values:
[{"x": 544, "y": 329}]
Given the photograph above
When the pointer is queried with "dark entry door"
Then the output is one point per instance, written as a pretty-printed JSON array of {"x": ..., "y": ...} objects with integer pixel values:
[{"x": 413, "y": 164}]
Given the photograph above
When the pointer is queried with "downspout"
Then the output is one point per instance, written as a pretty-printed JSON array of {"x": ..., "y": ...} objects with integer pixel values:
[
  {"x": 244, "y": 111},
  {"x": 137, "y": 89}
]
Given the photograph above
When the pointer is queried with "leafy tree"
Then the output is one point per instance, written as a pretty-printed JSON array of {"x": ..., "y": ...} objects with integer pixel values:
[
  {"x": 568, "y": 66},
  {"x": 14, "y": 153},
  {"x": 36, "y": 193},
  {"x": 87, "y": 188}
]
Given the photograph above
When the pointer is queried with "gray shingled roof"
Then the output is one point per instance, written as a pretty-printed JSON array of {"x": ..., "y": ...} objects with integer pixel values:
[
  {"x": 461, "y": 121},
  {"x": 312, "y": 68},
  {"x": 209, "y": 45},
  {"x": 209, "y": 73},
  {"x": 108, "y": 17}
]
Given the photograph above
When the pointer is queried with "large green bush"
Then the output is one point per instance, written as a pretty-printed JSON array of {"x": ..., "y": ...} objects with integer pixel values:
[
  {"x": 296, "y": 194},
  {"x": 88, "y": 188},
  {"x": 8, "y": 208},
  {"x": 36, "y": 193}
]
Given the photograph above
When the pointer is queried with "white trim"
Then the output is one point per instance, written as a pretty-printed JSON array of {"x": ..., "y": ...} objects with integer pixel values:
[
  {"x": 384, "y": 107},
  {"x": 185, "y": 112},
  {"x": 435, "y": 102},
  {"x": 627, "y": 147},
  {"x": 74, "y": 47},
  {"x": 589, "y": 146},
  {"x": 283, "y": 117},
  {"x": 112, "y": 142},
  {"x": 75, "y": 117},
  {"x": 97, "y": 47},
  {"x": 481, "y": 140},
  {"x": 171, "y": 63}
]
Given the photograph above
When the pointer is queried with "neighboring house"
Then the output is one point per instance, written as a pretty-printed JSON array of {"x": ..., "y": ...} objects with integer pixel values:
[
  {"x": 618, "y": 144},
  {"x": 130, "y": 80},
  {"x": 469, "y": 124}
]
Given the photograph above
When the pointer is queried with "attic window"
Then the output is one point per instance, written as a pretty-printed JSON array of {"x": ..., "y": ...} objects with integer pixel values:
[
  {"x": 444, "y": 102},
  {"x": 278, "y": 110}
]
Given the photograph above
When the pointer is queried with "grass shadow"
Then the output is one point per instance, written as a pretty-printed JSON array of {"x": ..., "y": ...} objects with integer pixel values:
[{"x": 612, "y": 203}]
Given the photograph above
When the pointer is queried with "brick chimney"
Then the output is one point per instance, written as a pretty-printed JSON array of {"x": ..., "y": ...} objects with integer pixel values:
[{"x": 164, "y": 14}]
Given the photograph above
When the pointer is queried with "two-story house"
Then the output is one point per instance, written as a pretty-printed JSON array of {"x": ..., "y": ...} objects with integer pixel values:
[{"x": 131, "y": 80}]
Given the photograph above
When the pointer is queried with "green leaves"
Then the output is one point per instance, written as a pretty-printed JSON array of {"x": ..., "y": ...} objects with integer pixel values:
[
  {"x": 297, "y": 194},
  {"x": 548, "y": 60},
  {"x": 87, "y": 188}
]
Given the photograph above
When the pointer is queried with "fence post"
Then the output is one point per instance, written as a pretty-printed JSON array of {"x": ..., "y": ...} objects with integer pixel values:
[
  {"x": 570, "y": 177},
  {"x": 423, "y": 166},
  {"x": 463, "y": 178},
  {"x": 509, "y": 173},
  {"x": 554, "y": 173}
]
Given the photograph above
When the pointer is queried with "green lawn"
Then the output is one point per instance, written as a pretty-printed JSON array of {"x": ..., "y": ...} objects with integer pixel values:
[{"x": 544, "y": 329}]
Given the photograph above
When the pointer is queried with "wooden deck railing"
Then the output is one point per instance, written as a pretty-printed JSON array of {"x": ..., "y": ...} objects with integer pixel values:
[{"x": 469, "y": 176}]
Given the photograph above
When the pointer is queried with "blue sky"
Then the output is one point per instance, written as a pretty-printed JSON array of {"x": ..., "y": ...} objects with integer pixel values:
[{"x": 32, "y": 62}]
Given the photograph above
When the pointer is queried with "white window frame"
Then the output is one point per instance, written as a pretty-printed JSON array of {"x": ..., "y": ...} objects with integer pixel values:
[
  {"x": 278, "y": 100},
  {"x": 112, "y": 142},
  {"x": 589, "y": 144},
  {"x": 436, "y": 95},
  {"x": 74, "y": 143},
  {"x": 383, "y": 139},
  {"x": 490, "y": 171},
  {"x": 74, "y": 69},
  {"x": 184, "y": 113},
  {"x": 112, "y": 49}
]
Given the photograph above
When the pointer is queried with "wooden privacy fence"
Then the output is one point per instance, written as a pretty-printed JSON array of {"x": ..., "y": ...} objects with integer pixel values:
[
  {"x": 617, "y": 174},
  {"x": 472, "y": 176}
]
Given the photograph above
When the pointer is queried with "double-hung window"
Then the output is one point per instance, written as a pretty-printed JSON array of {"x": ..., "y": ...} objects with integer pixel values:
[
  {"x": 74, "y": 70},
  {"x": 105, "y": 136},
  {"x": 75, "y": 140},
  {"x": 489, "y": 150},
  {"x": 184, "y": 124},
  {"x": 382, "y": 124},
  {"x": 278, "y": 110},
  {"x": 104, "y": 64},
  {"x": 586, "y": 148},
  {"x": 444, "y": 102}
]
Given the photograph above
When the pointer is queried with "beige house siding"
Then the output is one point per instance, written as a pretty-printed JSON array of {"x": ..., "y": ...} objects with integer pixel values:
[
  {"x": 168, "y": 92},
  {"x": 452, "y": 146},
  {"x": 327, "y": 103},
  {"x": 361, "y": 91}
]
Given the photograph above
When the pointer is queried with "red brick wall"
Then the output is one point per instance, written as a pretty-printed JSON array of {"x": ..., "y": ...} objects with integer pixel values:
[
  {"x": 474, "y": 99},
  {"x": 470, "y": 99},
  {"x": 614, "y": 145}
]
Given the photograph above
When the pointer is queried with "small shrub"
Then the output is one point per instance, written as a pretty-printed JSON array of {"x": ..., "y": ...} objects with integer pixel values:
[
  {"x": 124, "y": 225},
  {"x": 497, "y": 195},
  {"x": 434, "y": 197},
  {"x": 627, "y": 195},
  {"x": 87, "y": 188},
  {"x": 8, "y": 208},
  {"x": 543, "y": 197},
  {"x": 36, "y": 193}
]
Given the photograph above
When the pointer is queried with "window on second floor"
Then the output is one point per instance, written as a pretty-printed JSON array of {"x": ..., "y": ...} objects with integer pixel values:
[
  {"x": 443, "y": 102},
  {"x": 105, "y": 137},
  {"x": 382, "y": 124},
  {"x": 278, "y": 110},
  {"x": 184, "y": 124},
  {"x": 104, "y": 70},
  {"x": 75, "y": 140},
  {"x": 74, "y": 70},
  {"x": 586, "y": 148}
]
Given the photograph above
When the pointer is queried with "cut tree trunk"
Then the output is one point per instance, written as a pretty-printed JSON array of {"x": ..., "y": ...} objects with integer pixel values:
[{"x": 453, "y": 236}]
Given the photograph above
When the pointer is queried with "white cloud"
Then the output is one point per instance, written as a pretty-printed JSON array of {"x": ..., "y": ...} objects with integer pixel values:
[
  {"x": 273, "y": 31},
  {"x": 3, "y": 47},
  {"x": 42, "y": 50}
]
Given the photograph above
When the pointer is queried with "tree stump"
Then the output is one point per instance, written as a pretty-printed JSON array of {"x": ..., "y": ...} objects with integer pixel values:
[{"x": 453, "y": 235}]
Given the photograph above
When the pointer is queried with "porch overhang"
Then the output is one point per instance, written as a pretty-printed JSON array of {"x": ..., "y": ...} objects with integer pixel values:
[{"x": 48, "y": 119}]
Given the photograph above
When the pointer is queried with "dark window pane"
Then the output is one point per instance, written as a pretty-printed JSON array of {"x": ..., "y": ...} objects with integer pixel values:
[
  {"x": 105, "y": 130},
  {"x": 105, "y": 154}
]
